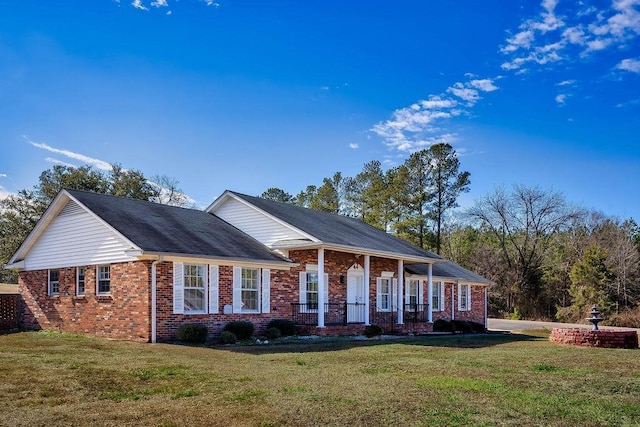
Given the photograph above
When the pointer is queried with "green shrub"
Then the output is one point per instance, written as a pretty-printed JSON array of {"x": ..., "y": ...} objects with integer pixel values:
[
  {"x": 273, "y": 333},
  {"x": 241, "y": 328},
  {"x": 442, "y": 325},
  {"x": 192, "y": 332},
  {"x": 371, "y": 331},
  {"x": 228, "y": 337},
  {"x": 286, "y": 327}
]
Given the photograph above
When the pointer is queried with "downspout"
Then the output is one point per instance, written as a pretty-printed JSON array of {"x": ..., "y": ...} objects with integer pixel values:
[
  {"x": 486, "y": 321},
  {"x": 430, "y": 293}
]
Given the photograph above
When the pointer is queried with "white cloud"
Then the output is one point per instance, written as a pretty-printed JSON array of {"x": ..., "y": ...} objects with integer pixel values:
[
  {"x": 138, "y": 5},
  {"x": 579, "y": 32},
  {"x": 160, "y": 3},
  {"x": 354, "y": 146},
  {"x": 3, "y": 175},
  {"x": 561, "y": 98},
  {"x": 631, "y": 65},
  {"x": 100, "y": 164},
  {"x": 420, "y": 124},
  {"x": 566, "y": 83}
]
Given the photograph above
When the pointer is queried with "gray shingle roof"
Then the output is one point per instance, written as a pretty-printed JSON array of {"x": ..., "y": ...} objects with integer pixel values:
[
  {"x": 448, "y": 269},
  {"x": 166, "y": 229},
  {"x": 337, "y": 229}
]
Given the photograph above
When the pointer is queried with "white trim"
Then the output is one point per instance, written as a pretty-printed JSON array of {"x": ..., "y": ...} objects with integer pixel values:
[
  {"x": 98, "y": 293},
  {"x": 266, "y": 291},
  {"x": 367, "y": 289},
  {"x": 467, "y": 297},
  {"x": 178, "y": 291},
  {"x": 214, "y": 283},
  {"x": 50, "y": 283},
  {"x": 323, "y": 286},
  {"x": 398, "y": 284},
  {"x": 84, "y": 280}
]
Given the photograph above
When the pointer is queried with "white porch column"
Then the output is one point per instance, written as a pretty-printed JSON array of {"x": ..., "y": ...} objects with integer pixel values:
[
  {"x": 430, "y": 293},
  {"x": 400, "y": 292},
  {"x": 453, "y": 301},
  {"x": 486, "y": 321},
  {"x": 322, "y": 288},
  {"x": 367, "y": 285}
]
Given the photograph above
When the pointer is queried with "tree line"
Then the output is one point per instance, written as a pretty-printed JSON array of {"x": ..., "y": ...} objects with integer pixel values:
[
  {"x": 19, "y": 213},
  {"x": 547, "y": 258}
]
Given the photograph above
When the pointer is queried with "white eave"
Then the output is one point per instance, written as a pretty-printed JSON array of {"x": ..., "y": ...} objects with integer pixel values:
[
  {"x": 282, "y": 265},
  {"x": 301, "y": 244}
]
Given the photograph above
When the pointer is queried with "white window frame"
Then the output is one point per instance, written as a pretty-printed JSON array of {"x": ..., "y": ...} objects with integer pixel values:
[
  {"x": 437, "y": 296},
  {"x": 255, "y": 289},
  {"x": 307, "y": 292},
  {"x": 464, "y": 297},
  {"x": 187, "y": 280},
  {"x": 409, "y": 294},
  {"x": 79, "y": 281},
  {"x": 304, "y": 283},
  {"x": 51, "y": 283},
  {"x": 380, "y": 294},
  {"x": 101, "y": 278}
]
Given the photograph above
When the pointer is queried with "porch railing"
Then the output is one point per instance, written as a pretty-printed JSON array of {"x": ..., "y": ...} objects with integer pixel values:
[
  {"x": 334, "y": 313},
  {"x": 416, "y": 313}
]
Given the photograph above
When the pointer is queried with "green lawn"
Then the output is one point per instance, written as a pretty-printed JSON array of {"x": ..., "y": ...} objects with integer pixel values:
[{"x": 62, "y": 379}]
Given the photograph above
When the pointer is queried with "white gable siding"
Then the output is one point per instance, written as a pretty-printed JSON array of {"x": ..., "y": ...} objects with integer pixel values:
[
  {"x": 75, "y": 237},
  {"x": 254, "y": 223}
]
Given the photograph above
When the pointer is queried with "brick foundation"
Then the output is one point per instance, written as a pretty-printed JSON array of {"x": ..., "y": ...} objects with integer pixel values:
[{"x": 590, "y": 338}]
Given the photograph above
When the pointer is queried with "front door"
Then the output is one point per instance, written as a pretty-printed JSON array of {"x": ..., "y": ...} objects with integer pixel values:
[{"x": 355, "y": 296}]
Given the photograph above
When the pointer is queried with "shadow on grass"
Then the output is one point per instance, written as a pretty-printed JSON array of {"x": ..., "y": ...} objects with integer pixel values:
[{"x": 311, "y": 345}]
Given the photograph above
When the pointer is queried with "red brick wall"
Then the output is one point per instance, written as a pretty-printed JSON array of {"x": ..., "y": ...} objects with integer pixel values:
[
  {"x": 125, "y": 314},
  {"x": 475, "y": 314}
]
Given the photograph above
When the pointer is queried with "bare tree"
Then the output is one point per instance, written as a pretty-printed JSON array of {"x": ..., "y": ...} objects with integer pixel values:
[
  {"x": 523, "y": 222},
  {"x": 168, "y": 192}
]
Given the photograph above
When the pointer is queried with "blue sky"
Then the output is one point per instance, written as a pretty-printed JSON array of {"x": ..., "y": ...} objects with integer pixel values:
[{"x": 246, "y": 95}]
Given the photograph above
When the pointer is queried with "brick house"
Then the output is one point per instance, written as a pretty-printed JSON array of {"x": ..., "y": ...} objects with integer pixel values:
[{"x": 136, "y": 270}]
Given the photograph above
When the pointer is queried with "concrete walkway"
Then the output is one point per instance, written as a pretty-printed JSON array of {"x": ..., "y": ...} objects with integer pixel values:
[{"x": 519, "y": 325}]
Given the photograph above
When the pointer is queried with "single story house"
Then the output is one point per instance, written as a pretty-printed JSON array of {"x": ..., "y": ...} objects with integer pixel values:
[{"x": 136, "y": 270}]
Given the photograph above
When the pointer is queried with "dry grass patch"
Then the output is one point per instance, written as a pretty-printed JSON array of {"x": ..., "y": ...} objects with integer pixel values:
[{"x": 63, "y": 379}]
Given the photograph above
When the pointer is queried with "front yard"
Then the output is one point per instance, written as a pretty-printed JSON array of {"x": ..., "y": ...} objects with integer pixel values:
[{"x": 61, "y": 379}]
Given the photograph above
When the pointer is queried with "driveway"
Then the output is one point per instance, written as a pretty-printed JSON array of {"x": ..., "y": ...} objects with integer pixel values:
[{"x": 518, "y": 325}]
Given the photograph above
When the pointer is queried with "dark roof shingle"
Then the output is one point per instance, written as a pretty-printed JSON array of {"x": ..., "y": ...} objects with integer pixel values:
[
  {"x": 448, "y": 269},
  {"x": 167, "y": 229},
  {"x": 337, "y": 229}
]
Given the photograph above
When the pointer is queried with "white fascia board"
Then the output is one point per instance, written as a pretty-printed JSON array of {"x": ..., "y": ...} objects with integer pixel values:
[
  {"x": 227, "y": 194},
  {"x": 458, "y": 281},
  {"x": 15, "y": 266},
  {"x": 361, "y": 251},
  {"x": 242, "y": 262}
]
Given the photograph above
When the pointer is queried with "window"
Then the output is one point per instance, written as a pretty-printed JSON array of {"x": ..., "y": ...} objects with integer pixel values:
[
  {"x": 437, "y": 297},
  {"x": 384, "y": 294},
  {"x": 194, "y": 288},
  {"x": 54, "y": 282},
  {"x": 464, "y": 297},
  {"x": 310, "y": 298},
  {"x": 80, "y": 281},
  {"x": 312, "y": 290},
  {"x": 413, "y": 293},
  {"x": 104, "y": 280},
  {"x": 250, "y": 286}
]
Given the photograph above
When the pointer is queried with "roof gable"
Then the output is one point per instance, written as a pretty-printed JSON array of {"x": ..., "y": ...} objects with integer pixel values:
[{"x": 333, "y": 229}]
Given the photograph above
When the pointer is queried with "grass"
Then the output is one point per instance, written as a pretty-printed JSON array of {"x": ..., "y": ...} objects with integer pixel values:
[{"x": 487, "y": 380}]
